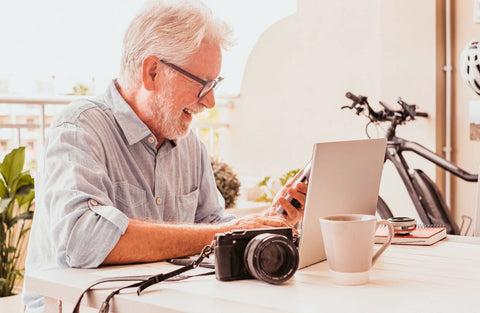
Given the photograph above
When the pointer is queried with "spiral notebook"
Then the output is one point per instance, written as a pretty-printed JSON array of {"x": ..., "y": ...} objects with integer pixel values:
[{"x": 422, "y": 236}]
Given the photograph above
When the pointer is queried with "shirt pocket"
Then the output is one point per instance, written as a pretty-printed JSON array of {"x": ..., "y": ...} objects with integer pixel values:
[
  {"x": 187, "y": 206},
  {"x": 129, "y": 199}
]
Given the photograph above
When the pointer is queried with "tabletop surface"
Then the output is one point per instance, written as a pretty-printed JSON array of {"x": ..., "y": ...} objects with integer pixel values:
[{"x": 444, "y": 277}]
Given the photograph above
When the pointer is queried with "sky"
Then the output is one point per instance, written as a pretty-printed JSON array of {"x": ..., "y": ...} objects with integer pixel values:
[{"x": 75, "y": 41}]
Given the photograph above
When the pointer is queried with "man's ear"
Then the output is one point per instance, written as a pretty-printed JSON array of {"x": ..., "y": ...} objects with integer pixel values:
[{"x": 150, "y": 72}]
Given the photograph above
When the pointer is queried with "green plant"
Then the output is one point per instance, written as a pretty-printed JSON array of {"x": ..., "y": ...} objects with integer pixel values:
[
  {"x": 16, "y": 207},
  {"x": 288, "y": 175},
  {"x": 269, "y": 188},
  {"x": 227, "y": 182},
  {"x": 80, "y": 89}
]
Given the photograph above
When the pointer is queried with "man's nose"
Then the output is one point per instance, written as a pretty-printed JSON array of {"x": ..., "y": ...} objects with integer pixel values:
[{"x": 209, "y": 100}]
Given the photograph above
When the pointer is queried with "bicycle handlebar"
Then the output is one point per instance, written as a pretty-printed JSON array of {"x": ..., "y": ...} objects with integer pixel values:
[
  {"x": 386, "y": 114},
  {"x": 421, "y": 114},
  {"x": 354, "y": 98}
]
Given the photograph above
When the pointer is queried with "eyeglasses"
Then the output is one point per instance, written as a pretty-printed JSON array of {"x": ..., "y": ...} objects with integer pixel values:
[{"x": 208, "y": 85}]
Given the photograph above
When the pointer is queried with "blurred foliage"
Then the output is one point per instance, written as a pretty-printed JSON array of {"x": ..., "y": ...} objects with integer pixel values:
[
  {"x": 16, "y": 207},
  {"x": 227, "y": 181},
  {"x": 271, "y": 187},
  {"x": 80, "y": 90}
]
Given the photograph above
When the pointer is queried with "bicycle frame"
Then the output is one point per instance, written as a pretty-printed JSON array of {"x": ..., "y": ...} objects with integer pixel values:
[
  {"x": 396, "y": 146},
  {"x": 424, "y": 193}
]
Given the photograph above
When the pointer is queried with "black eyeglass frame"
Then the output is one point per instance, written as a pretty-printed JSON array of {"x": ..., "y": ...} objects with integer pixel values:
[{"x": 207, "y": 85}]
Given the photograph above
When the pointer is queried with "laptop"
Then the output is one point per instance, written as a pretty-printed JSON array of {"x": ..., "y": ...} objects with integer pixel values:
[{"x": 344, "y": 179}]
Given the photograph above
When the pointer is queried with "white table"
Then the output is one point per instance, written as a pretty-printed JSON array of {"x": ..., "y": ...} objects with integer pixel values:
[{"x": 444, "y": 277}]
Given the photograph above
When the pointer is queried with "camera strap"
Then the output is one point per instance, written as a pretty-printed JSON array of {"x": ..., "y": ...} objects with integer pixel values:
[{"x": 145, "y": 281}]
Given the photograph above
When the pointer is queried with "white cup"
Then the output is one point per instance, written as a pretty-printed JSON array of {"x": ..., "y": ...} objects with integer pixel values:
[{"x": 349, "y": 241}]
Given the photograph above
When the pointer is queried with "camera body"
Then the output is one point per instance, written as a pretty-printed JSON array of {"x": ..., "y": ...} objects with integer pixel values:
[{"x": 266, "y": 254}]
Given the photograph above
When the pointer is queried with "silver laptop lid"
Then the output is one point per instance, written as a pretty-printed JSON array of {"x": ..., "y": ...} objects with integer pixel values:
[{"x": 345, "y": 178}]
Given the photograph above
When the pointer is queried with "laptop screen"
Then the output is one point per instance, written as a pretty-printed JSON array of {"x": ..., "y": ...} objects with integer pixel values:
[{"x": 344, "y": 178}]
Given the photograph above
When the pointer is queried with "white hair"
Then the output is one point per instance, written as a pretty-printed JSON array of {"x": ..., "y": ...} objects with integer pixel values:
[{"x": 171, "y": 30}]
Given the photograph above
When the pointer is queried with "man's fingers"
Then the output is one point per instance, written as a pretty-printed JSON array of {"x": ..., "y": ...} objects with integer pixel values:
[
  {"x": 277, "y": 221},
  {"x": 259, "y": 221},
  {"x": 300, "y": 197},
  {"x": 301, "y": 187},
  {"x": 293, "y": 214}
]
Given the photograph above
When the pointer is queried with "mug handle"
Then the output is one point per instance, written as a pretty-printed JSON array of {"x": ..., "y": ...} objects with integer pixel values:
[{"x": 387, "y": 243}]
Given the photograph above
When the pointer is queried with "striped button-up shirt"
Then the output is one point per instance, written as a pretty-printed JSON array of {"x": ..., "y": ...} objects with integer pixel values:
[{"x": 101, "y": 168}]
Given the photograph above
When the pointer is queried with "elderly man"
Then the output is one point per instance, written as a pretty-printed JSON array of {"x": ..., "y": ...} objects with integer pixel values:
[{"x": 124, "y": 180}]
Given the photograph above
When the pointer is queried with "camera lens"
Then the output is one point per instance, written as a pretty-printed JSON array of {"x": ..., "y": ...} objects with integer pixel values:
[{"x": 272, "y": 258}]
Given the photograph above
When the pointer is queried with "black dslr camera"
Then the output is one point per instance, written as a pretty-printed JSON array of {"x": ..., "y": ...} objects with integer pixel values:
[{"x": 266, "y": 254}]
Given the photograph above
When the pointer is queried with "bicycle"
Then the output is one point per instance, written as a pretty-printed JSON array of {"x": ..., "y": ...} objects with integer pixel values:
[{"x": 424, "y": 193}]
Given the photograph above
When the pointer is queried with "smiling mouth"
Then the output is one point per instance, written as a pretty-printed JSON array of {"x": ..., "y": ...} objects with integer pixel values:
[{"x": 191, "y": 112}]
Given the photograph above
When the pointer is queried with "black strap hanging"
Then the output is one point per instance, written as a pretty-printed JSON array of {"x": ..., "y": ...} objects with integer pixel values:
[{"x": 145, "y": 281}]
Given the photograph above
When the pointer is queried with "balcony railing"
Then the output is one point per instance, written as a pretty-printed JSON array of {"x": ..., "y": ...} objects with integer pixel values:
[{"x": 29, "y": 118}]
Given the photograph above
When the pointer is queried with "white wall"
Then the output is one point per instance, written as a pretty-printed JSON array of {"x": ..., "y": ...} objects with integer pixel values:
[
  {"x": 295, "y": 81},
  {"x": 408, "y": 69},
  {"x": 301, "y": 67}
]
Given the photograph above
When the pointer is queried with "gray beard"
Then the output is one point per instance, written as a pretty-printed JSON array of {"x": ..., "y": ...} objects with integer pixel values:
[{"x": 165, "y": 122}]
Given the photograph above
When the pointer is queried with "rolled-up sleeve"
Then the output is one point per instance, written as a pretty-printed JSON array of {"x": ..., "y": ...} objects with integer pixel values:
[
  {"x": 78, "y": 197},
  {"x": 94, "y": 235}
]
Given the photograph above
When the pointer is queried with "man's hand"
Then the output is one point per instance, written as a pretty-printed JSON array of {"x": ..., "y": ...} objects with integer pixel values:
[
  {"x": 260, "y": 221},
  {"x": 293, "y": 215}
]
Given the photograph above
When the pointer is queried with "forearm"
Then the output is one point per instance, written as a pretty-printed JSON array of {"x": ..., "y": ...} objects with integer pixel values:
[{"x": 150, "y": 242}]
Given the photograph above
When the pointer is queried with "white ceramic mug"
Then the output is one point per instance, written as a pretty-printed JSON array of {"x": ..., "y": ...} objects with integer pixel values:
[{"x": 349, "y": 241}]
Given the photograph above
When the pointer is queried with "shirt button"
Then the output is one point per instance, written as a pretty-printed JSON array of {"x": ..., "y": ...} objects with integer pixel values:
[
  {"x": 151, "y": 139},
  {"x": 93, "y": 202},
  {"x": 159, "y": 200}
]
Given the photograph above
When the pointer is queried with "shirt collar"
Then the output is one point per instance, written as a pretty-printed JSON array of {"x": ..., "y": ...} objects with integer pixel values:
[{"x": 132, "y": 126}]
